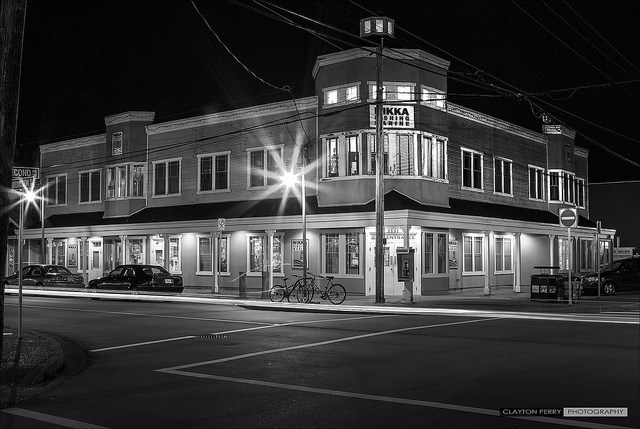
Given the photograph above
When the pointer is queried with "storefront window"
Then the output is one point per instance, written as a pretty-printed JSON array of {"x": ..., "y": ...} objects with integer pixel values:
[
  {"x": 256, "y": 253},
  {"x": 504, "y": 254},
  {"x": 205, "y": 261},
  {"x": 58, "y": 253},
  {"x": 136, "y": 251},
  {"x": 353, "y": 253},
  {"x": 473, "y": 254}
]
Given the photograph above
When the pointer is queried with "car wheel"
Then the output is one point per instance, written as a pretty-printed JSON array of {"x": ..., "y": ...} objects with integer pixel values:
[{"x": 609, "y": 288}]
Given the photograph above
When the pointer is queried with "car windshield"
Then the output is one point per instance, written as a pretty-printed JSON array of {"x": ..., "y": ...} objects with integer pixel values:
[
  {"x": 612, "y": 266},
  {"x": 116, "y": 272}
]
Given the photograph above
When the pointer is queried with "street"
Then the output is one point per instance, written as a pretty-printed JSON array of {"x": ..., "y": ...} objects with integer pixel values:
[{"x": 198, "y": 365}]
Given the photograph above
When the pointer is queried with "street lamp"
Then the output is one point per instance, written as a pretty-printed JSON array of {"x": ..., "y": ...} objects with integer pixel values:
[
  {"x": 27, "y": 195},
  {"x": 289, "y": 179}
]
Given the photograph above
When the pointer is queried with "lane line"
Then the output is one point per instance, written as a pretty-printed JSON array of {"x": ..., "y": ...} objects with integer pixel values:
[
  {"x": 233, "y": 331},
  {"x": 322, "y": 343},
  {"x": 391, "y": 399},
  {"x": 60, "y": 421}
]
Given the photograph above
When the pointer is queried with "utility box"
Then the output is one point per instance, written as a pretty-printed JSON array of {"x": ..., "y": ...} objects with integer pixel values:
[{"x": 406, "y": 264}]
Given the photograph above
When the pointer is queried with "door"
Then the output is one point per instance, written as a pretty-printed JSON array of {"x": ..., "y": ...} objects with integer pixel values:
[{"x": 95, "y": 259}]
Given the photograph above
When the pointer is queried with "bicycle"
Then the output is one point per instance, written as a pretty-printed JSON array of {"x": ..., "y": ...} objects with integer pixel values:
[
  {"x": 334, "y": 292},
  {"x": 278, "y": 292}
]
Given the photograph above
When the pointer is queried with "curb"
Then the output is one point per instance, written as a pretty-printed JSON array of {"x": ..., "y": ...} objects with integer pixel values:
[{"x": 48, "y": 367}]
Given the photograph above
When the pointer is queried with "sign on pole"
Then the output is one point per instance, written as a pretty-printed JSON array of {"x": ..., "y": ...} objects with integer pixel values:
[
  {"x": 568, "y": 218},
  {"x": 221, "y": 223},
  {"x": 24, "y": 175}
]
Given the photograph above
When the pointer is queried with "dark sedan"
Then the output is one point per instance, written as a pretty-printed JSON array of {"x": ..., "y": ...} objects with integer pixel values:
[
  {"x": 619, "y": 275},
  {"x": 139, "y": 278},
  {"x": 46, "y": 275}
]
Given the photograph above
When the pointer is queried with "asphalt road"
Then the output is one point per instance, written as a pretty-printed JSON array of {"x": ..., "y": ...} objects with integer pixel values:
[{"x": 192, "y": 365}]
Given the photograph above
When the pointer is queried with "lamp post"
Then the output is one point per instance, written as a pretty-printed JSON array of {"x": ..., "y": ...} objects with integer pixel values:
[
  {"x": 379, "y": 26},
  {"x": 28, "y": 196}
]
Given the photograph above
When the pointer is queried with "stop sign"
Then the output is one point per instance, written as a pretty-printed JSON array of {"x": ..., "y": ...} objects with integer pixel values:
[{"x": 568, "y": 218}]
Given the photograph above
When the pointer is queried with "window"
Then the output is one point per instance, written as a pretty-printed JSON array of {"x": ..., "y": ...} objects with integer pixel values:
[
  {"x": 473, "y": 253},
  {"x": 504, "y": 254},
  {"x": 56, "y": 192},
  {"x": 580, "y": 187},
  {"x": 434, "y": 247},
  {"x": 58, "y": 252},
  {"x": 333, "y": 158},
  {"x": 392, "y": 91},
  {"x": 90, "y": 186},
  {"x": 536, "y": 183},
  {"x": 264, "y": 169},
  {"x": 434, "y": 157},
  {"x": 502, "y": 176},
  {"x": 332, "y": 254},
  {"x": 158, "y": 255},
  {"x": 563, "y": 254},
  {"x": 205, "y": 255},
  {"x": 433, "y": 97},
  {"x": 213, "y": 172},
  {"x": 256, "y": 253},
  {"x": 371, "y": 139},
  {"x": 352, "y": 253},
  {"x": 341, "y": 253},
  {"x": 125, "y": 180},
  {"x": 353, "y": 167},
  {"x": 341, "y": 95},
  {"x": 471, "y": 169},
  {"x": 116, "y": 143},
  {"x": 166, "y": 177},
  {"x": 403, "y": 156},
  {"x": 554, "y": 186},
  {"x": 277, "y": 256},
  {"x": 587, "y": 256},
  {"x": 568, "y": 187}
]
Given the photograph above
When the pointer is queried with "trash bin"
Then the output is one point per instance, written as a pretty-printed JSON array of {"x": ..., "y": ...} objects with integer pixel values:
[{"x": 546, "y": 286}]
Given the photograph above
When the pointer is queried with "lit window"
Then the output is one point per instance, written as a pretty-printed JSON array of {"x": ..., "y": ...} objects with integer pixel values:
[
  {"x": 473, "y": 249},
  {"x": 471, "y": 169},
  {"x": 352, "y": 93},
  {"x": 205, "y": 255},
  {"x": 332, "y": 96},
  {"x": 333, "y": 159},
  {"x": 404, "y": 92},
  {"x": 352, "y": 253},
  {"x": 434, "y": 153},
  {"x": 504, "y": 254},
  {"x": 587, "y": 256},
  {"x": 256, "y": 253},
  {"x": 116, "y": 143},
  {"x": 433, "y": 97},
  {"x": 353, "y": 167},
  {"x": 563, "y": 254},
  {"x": 580, "y": 187},
  {"x": 434, "y": 247},
  {"x": 341, "y": 253}
]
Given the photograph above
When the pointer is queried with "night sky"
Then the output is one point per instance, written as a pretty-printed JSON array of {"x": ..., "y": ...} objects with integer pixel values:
[{"x": 578, "y": 60}]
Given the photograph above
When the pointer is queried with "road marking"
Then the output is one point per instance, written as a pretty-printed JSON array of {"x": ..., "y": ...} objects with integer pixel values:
[
  {"x": 323, "y": 343},
  {"x": 391, "y": 399},
  {"x": 60, "y": 421},
  {"x": 233, "y": 331}
]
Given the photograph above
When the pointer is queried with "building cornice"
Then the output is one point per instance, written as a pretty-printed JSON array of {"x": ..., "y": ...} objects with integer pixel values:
[
  {"x": 396, "y": 54},
  {"x": 73, "y": 144},
  {"x": 233, "y": 115},
  {"x": 131, "y": 116},
  {"x": 490, "y": 121},
  {"x": 559, "y": 129}
]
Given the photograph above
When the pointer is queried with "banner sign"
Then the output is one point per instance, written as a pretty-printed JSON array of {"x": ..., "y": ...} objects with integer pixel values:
[{"x": 400, "y": 116}]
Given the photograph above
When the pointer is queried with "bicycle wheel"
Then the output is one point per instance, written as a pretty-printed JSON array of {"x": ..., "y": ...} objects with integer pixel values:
[
  {"x": 302, "y": 294},
  {"x": 336, "y": 294},
  {"x": 311, "y": 290},
  {"x": 276, "y": 294}
]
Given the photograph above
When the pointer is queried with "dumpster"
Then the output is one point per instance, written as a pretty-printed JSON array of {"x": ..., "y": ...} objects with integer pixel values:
[{"x": 546, "y": 286}]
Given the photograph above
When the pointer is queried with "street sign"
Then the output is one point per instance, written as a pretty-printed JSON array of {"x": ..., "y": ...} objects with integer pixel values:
[
  {"x": 221, "y": 223},
  {"x": 568, "y": 218}
]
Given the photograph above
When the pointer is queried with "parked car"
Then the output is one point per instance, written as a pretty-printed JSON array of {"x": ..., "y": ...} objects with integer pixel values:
[
  {"x": 46, "y": 275},
  {"x": 139, "y": 277},
  {"x": 619, "y": 275}
]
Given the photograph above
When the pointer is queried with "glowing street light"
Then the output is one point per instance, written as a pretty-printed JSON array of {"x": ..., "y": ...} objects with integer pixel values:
[{"x": 289, "y": 179}]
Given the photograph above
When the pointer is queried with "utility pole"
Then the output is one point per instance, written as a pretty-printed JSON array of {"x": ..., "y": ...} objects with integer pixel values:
[
  {"x": 379, "y": 26},
  {"x": 12, "y": 19}
]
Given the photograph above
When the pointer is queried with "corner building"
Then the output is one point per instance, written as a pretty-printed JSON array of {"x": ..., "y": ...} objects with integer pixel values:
[{"x": 476, "y": 197}]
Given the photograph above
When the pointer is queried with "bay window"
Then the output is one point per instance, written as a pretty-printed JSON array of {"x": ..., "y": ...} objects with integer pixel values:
[{"x": 125, "y": 181}]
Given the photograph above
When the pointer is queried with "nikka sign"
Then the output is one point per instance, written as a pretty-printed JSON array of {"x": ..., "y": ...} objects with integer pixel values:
[{"x": 393, "y": 116}]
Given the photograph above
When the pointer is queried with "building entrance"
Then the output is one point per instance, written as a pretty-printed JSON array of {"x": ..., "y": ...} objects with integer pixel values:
[{"x": 394, "y": 240}]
